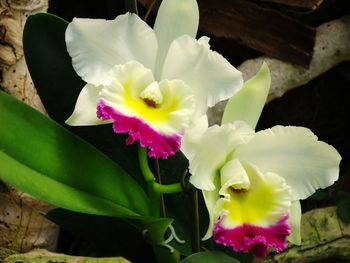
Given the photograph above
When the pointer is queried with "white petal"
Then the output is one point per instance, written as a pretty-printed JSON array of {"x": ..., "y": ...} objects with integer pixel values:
[
  {"x": 85, "y": 108},
  {"x": 175, "y": 18},
  {"x": 247, "y": 104},
  {"x": 294, "y": 222},
  {"x": 211, "y": 77},
  {"x": 193, "y": 135},
  {"x": 212, "y": 151},
  {"x": 295, "y": 154},
  {"x": 96, "y": 45}
]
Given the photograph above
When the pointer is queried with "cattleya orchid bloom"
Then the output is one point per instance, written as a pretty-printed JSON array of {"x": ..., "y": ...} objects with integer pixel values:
[
  {"x": 151, "y": 84},
  {"x": 252, "y": 181}
]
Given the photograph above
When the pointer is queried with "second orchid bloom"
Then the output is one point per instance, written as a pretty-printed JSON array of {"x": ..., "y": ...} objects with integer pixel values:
[
  {"x": 252, "y": 181},
  {"x": 151, "y": 84}
]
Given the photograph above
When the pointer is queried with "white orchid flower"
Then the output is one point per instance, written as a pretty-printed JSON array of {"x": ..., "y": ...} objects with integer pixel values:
[
  {"x": 252, "y": 181},
  {"x": 151, "y": 84}
]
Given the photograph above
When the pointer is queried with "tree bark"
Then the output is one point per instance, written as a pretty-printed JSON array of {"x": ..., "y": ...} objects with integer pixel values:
[
  {"x": 43, "y": 256},
  {"x": 323, "y": 236},
  {"x": 22, "y": 228}
]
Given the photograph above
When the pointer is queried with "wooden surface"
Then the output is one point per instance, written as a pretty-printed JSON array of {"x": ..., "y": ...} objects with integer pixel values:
[
  {"x": 257, "y": 26},
  {"x": 307, "y": 4}
]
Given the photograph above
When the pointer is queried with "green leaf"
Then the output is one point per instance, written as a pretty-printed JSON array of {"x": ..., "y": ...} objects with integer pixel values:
[
  {"x": 54, "y": 192},
  {"x": 109, "y": 236},
  {"x": 58, "y": 85},
  {"x": 247, "y": 104},
  {"x": 43, "y": 159},
  {"x": 209, "y": 257},
  {"x": 50, "y": 65}
]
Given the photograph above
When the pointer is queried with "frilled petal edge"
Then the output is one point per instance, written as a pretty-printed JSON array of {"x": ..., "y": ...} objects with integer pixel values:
[
  {"x": 295, "y": 154},
  {"x": 96, "y": 45},
  {"x": 211, "y": 77}
]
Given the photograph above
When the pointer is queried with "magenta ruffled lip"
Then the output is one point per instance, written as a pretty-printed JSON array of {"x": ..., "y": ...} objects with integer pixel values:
[
  {"x": 253, "y": 238},
  {"x": 160, "y": 146}
]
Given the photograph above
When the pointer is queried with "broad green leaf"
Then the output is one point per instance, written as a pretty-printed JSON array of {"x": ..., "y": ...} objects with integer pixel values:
[
  {"x": 58, "y": 85},
  {"x": 247, "y": 104},
  {"x": 55, "y": 192},
  {"x": 50, "y": 65},
  {"x": 209, "y": 257},
  {"x": 109, "y": 236},
  {"x": 40, "y": 157}
]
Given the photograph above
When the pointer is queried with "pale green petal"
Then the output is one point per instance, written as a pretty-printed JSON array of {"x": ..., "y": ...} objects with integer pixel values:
[
  {"x": 175, "y": 18},
  {"x": 248, "y": 102},
  {"x": 295, "y": 154},
  {"x": 212, "y": 150},
  {"x": 210, "y": 199},
  {"x": 85, "y": 108},
  {"x": 211, "y": 77},
  {"x": 294, "y": 222},
  {"x": 96, "y": 45}
]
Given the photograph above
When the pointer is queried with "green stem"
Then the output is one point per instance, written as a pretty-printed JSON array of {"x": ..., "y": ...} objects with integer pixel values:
[
  {"x": 149, "y": 10},
  {"x": 167, "y": 189},
  {"x": 155, "y": 200},
  {"x": 159, "y": 181},
  {"x": 143, "y": 161},
  {"x": 131, "y": 6},
  {"x": 196, "y": 245},
  {"x": 150, "y": 180}
]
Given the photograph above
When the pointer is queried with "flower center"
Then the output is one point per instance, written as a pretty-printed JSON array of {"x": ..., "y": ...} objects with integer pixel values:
[
  {"x": 150, "y": 103},
  {"x": 152, "y": 96}
]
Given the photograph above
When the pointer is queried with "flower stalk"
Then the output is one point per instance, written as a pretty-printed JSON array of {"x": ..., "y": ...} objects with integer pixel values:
[
  {"x": 131, "y": 6},
  {"x": 196, "y": 246},
  {"x": 155, "y": 188}
]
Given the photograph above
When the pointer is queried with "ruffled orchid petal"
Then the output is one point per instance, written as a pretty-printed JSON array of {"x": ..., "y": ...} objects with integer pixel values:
[
  {"x": 96, "y": 45},
  {"x": 267, "y": 199},
  {"x": 211, "y": 77},
  {"x": 254, "y": 238},
  {"x": 247, "y": 104},
  {"x": 85, "y": 108},
  {"x": 160, "y": 146},
  {"x": 166, "y": 107},
  {"x": 174, "y": 19},
  {"x": 156, "y": 114},
  {"x": 212, "y": 151},
  {"x": 253, "y": 209},
  {"x": 295, "y": 154},
  {"x": 294, "y": 222}
]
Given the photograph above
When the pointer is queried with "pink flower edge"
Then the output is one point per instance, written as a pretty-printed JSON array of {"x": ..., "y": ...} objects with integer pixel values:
[
  {"x": 160, "y": 146},
  {"x": 255, "y": 238}
]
